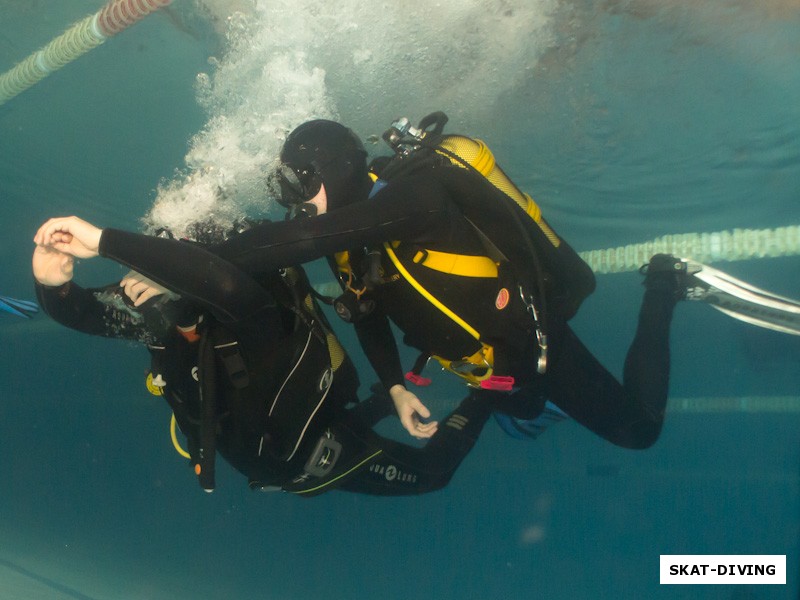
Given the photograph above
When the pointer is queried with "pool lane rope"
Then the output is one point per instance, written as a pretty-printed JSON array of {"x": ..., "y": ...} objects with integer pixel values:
[
  {"x": 76, "y": 41},
  {"x": 734, "y": 404},
  {"x": 738, "y": 244}
]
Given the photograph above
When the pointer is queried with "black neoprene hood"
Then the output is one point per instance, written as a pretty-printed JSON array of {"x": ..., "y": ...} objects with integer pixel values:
[{"x": 337, "y": 155}]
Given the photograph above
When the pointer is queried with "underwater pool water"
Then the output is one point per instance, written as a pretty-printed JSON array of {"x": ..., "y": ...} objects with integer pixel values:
[{"x": 626, "y": 121}]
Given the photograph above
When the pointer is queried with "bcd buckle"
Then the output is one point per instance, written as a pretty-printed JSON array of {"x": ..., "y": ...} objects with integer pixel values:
[{"x": 324, "y": 456}]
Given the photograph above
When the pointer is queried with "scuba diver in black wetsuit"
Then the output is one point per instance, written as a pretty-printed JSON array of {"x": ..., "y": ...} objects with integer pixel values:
[
  {"x": 248, "y": 366},
  {"x": 445, "y": 246}
]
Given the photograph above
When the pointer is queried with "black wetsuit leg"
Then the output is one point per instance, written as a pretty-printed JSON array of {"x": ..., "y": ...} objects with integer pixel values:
[
  {"x": 401, "y": 470},
  {"x": 371, "y": 464},
  {"x": 629, "y": 415}
]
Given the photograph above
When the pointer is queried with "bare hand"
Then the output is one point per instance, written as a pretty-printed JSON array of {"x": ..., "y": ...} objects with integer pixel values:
[
  {"x": 140, "y": 289},
  {"x": 70, "y": 235},
  {"x": 410, "y": 409},
  {"x": 51, "y": 267}
]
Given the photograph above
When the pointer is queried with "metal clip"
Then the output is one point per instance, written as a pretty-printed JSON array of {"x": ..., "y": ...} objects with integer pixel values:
[{"x": 541, "y": 338}]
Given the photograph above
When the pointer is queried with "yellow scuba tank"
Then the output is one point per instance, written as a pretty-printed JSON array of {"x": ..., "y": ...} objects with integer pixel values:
[{"x": 477, "y": 155}]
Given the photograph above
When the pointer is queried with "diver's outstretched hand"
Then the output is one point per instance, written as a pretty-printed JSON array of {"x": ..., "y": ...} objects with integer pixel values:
[
  {"x": 410, "y": 409},
  {"x": 70, "y": 235},
  {"x": 51, "y": 267}
]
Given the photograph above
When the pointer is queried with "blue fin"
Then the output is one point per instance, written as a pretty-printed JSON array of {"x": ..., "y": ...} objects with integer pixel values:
[
  {"x": 522, "y": 429},
  {"x": 21, "y": 308}
]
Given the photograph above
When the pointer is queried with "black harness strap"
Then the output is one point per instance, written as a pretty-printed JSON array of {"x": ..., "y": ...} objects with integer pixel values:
[
  {"x": 227, "y": 348},
  {"x": 207, "y": 371}
]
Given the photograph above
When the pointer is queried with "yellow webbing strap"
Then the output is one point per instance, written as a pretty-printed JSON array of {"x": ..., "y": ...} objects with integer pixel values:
[
  {"x": 428, "y": 296},
  {"x": 463, "y": 265}
]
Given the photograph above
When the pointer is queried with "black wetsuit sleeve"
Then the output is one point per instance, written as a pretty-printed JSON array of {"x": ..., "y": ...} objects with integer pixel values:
[
  {"x": 191, "y": 271},
  {"x": 80, "y": 309},
  {"x": 411, "y": 211},
  {"x": 379, "y": 345},
  {"x": 406, "y": 211}
]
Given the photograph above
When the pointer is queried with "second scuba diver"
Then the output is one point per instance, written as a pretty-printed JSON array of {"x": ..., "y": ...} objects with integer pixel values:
[{"x": 248, "y": 365}]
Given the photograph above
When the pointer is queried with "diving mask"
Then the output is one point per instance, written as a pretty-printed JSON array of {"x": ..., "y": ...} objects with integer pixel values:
[{"x": 297, "y": 184}]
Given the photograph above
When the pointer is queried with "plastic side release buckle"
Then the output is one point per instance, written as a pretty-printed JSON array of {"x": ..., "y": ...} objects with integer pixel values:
[
  {"x": 498, "y": 383},
  {"x": 418, "y": 379}
]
